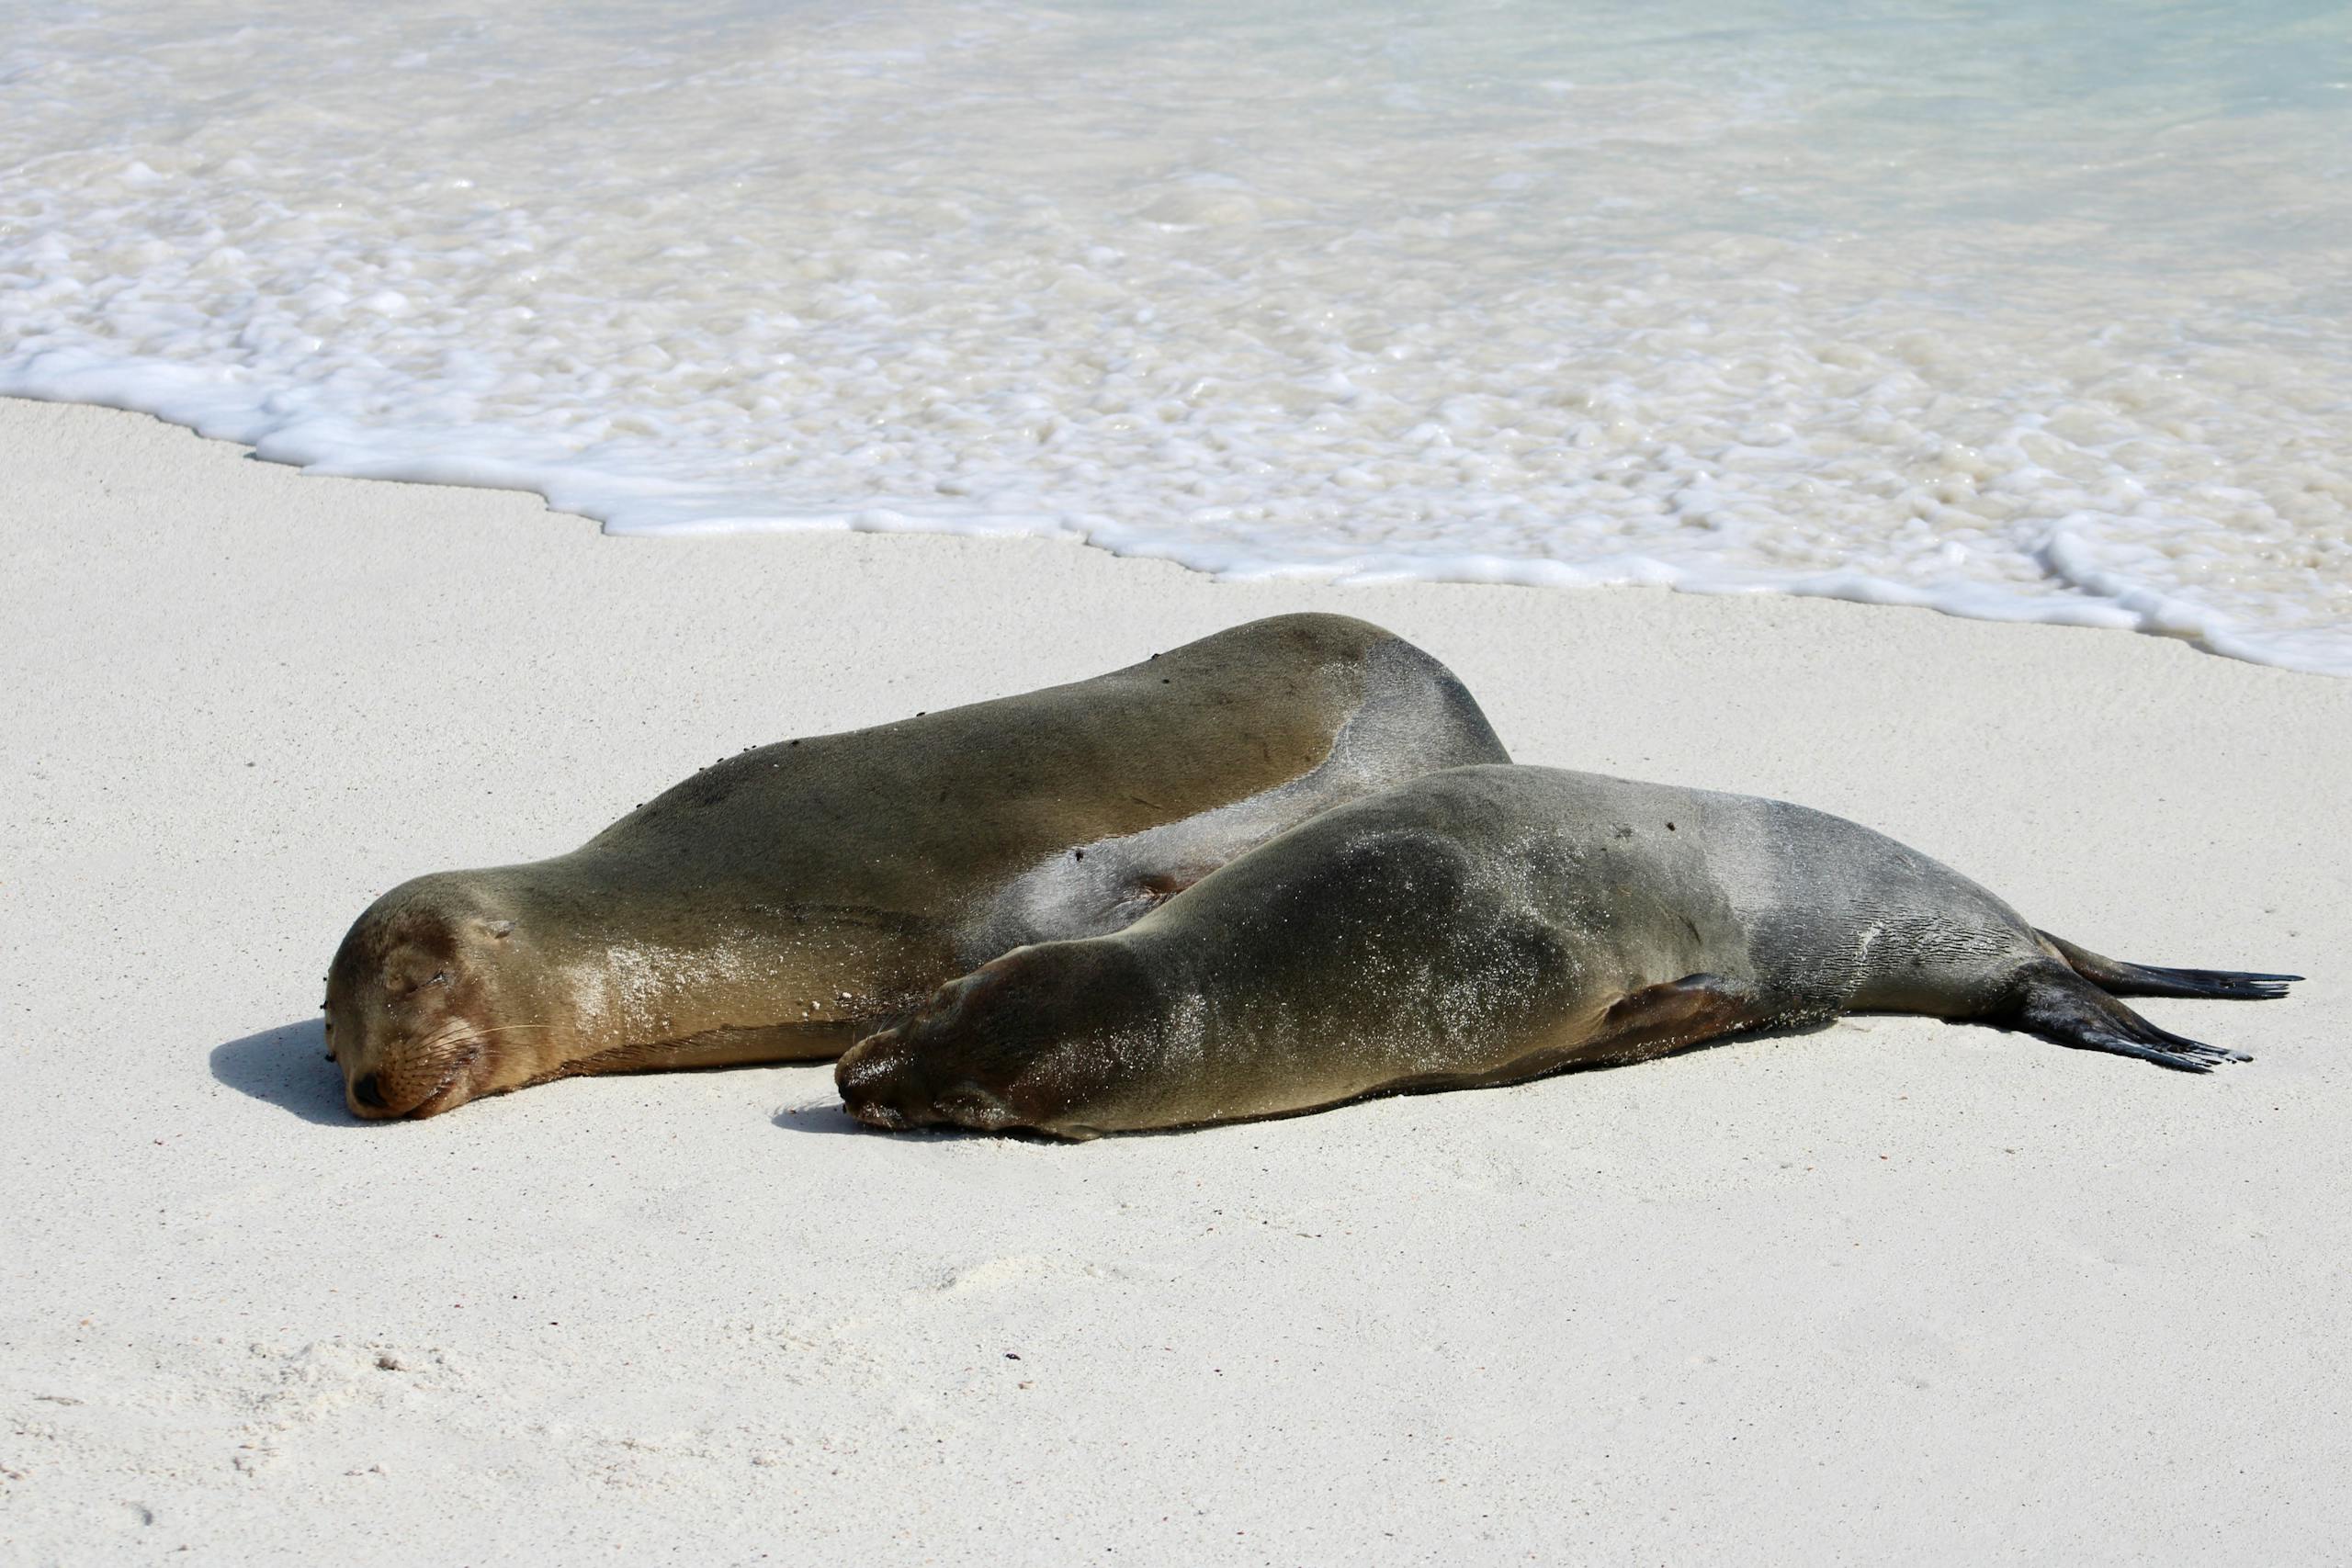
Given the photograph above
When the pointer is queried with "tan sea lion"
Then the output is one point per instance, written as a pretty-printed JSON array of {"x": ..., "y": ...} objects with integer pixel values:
[
  {"x": 1484, "y": 925},
  {"x": 785, "y": 901}
]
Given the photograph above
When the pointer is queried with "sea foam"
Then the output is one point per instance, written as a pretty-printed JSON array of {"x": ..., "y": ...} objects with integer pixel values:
[{"x": 2012, "y": 314}]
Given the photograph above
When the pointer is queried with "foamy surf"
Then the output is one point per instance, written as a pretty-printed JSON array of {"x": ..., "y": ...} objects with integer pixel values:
[{"x": 2053, "y": 330}]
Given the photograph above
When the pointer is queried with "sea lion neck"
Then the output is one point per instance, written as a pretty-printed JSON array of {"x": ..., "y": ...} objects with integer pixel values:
[{"x": 656, "y": 952}]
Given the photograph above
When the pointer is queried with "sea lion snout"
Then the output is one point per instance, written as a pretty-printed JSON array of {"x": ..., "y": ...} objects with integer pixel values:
[
  {"x": 910, "y": 1075},
  {"x": 887, "y": 1087},
  {"x": 1031, "y": 1040},
  {"x": 414, "y": 1084},
  {"x": 368, "y": 1097},
  {"x": 872, "y": 1078}
]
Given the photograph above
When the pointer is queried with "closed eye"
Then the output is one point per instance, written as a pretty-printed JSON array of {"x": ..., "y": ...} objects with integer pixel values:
[{"x": 440, "y": 977}]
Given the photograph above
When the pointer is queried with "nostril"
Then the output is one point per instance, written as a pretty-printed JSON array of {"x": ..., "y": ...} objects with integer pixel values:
[{"x": 367, "y": 1092}]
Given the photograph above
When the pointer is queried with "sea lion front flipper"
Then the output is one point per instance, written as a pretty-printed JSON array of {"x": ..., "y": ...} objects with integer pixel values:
[
  {"x": 2051, "y": 1000},
  {"x": 2118, "y": 978},
  {"x": 1670, "y": 1016}
]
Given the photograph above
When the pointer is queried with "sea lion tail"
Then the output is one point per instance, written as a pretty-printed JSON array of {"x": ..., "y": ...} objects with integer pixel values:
[
  {"x": 2121, "y": 979},
  {"x": 2052, "y": 1000}
]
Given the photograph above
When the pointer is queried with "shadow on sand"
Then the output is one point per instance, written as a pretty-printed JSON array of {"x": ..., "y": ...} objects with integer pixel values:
[
  {"x": 832, "y": 1119},
  {"x": 823, "y": 1117},
  {"x": 286, "y": 1066}
]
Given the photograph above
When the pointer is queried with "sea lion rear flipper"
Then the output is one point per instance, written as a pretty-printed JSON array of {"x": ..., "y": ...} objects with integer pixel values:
[
  {"x": 2054, "y": 1002},
  {"x": 1676, "y": 1013},
  {"x": 2121, "y": 979}
]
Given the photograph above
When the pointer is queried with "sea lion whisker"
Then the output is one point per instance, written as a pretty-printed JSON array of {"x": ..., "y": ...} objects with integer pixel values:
[
  {"x": 466, "y": 1058},
  {"x": 480, "y": 1037}
]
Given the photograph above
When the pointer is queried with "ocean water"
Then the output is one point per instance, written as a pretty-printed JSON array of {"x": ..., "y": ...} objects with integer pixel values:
[{"x": 2021, "y": 311}]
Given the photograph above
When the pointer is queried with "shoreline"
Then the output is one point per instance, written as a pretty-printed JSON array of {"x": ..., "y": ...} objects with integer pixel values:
[
  {"x": 622, "y": 508},
  {"x": 1889, "y": 1288}
]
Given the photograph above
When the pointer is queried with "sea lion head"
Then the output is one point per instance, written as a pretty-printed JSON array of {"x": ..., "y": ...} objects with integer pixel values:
[
  {"x": 430, "y": 1001},
  {"x": 1038, "y": 1039}
]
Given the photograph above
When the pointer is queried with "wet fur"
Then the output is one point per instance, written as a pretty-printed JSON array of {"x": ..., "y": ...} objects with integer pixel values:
[
  {"x": 787, "y": 899},
  {"x": 1483, "y": 925}
]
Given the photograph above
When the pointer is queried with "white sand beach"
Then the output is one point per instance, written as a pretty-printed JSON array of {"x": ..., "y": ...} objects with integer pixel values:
[{"x": 1893, "y": 1291}]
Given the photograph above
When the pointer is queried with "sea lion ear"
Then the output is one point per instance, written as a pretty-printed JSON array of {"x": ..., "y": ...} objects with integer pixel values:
[{"x": 500, "y": 929}]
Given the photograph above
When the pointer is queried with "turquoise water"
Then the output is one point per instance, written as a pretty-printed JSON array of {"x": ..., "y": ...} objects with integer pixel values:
[{"x": 2025, "y": 312}]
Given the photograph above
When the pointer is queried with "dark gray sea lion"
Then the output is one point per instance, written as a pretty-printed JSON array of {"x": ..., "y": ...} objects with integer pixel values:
[
  {"x": 1481, "y": 926},
  {"x": 782, "y": 902}
]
